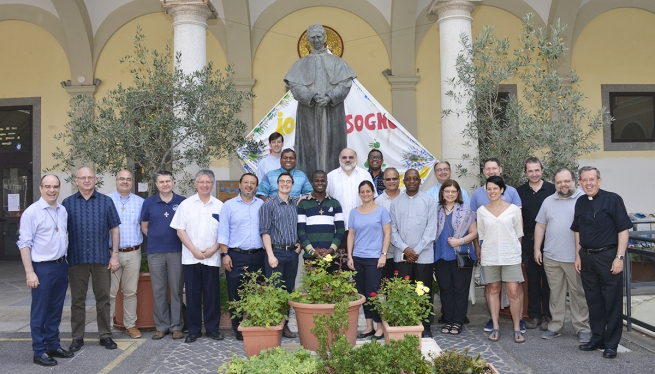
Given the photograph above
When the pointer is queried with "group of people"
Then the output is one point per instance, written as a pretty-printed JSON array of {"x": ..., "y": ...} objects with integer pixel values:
[{"x": 381, "y": 231}]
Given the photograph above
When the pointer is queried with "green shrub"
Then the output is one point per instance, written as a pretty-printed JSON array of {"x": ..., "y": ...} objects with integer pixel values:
[
  {"x": 274, "y": 361},
  {"x": 453, "y": 362}
]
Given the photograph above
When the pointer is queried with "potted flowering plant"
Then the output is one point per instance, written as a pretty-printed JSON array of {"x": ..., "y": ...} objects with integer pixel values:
[
  {"x": 320, "y": 291},
  {"x": 263, "y": 307},
  {"x": 403, "y": 305}
]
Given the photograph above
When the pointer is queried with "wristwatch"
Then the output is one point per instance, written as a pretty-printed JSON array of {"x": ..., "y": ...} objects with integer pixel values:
[
  {"x": 620, "y": 257},
  {"x": 384, "y": 253},
  {"x": 223, "y": 254}
]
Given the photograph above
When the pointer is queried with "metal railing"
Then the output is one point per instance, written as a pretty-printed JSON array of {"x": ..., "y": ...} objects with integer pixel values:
[{"x": 646, "y": 286}]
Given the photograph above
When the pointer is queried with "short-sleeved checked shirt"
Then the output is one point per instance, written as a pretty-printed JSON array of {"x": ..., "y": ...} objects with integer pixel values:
[
  {"x": 129, "y": 211},
  {"x": 89, "y": 225}
]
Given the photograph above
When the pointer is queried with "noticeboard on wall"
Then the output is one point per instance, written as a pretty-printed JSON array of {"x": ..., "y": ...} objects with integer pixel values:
[{"x": 225, "y": 190}]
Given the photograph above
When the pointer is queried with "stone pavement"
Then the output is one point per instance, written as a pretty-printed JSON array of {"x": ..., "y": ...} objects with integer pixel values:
[{"x": 149, "y": 356}]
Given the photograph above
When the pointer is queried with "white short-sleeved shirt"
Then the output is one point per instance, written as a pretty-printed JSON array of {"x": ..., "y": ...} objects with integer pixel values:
[
  {"x": 500, "y": 236},
  {"x": 200, "y": 221},
  {"x": 345, "y": 188}
]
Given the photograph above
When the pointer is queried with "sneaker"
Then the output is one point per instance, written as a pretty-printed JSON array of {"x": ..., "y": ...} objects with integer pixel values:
[
  {"x": 133, "y": 332},
  {"x": 522, "y": 326},
  {"x": 548, "y": 335},
  {"x": 533, "y": 323},
  {"x": 545, "y": 320},
  {"x": 489, "y": 326},
  {"x": 584, "y": 337}
]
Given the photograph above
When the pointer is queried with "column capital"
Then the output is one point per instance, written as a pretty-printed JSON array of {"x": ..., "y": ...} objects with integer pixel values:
[
  {"x": 81, "y": 90},
  {"x": 190, "y": 11},
  {"x": 452, "y": 8},
  {"x": 244, "y": 84},
  {"x": 403, "y": 83}
]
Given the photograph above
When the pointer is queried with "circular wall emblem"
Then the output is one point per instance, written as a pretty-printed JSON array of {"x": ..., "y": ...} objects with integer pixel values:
[{"x": 333, "y": 42}]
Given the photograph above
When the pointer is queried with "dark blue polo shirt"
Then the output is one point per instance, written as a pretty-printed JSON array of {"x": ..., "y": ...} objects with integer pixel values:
[
  {"x": 159, "y": 214},
  {"x": 89, "y": 225}
]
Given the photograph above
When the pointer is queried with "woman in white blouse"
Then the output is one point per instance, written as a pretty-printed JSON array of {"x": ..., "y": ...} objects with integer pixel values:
[{"x": 500, "y": 228}]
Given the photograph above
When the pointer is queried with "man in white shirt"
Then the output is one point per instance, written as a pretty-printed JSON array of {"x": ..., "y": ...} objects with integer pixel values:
[
  {"x": 272, "y": 160},
  {"x": 196, "y": 222}
]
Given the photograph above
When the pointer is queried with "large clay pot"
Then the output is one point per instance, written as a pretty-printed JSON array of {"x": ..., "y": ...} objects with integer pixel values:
[
  {"x": 225, "y": 322},
  {"x": 145, "y": 305},
  {"x": 305, "y": 317},
  {"x": 257, "y": 339},
  {"x": 399, "y": 332}
]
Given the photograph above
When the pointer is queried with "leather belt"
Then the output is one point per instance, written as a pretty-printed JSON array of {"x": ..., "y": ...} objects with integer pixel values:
[
  {"x": 285, "y": 247},
  {"x": 598, "y": 250},
  {"x": 128, "y": 249},
  {"x": 60, "y": 259},
  {"x": 248, "y": 251}
]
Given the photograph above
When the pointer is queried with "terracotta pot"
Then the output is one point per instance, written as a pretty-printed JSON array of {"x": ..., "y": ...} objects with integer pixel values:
[
  {"x": 257, "y": 339},
  {"x": 492, "y": 369},
  {"x": 145, "y": 305},
  {"x": 399, "y": 332},
  {"x": 305, "y": 317},
  {"x": 225, "y": 322}
]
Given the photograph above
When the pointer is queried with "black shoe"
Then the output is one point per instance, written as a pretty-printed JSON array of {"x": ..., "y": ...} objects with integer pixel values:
[
  {"x": 441, "y": 319},
  {"x": 60, "y": 352},
  {"x": 108, "y": 343},
  {"x": 239, "y": 335},
  {"x": 215, "y": 335},
  {"x": 44, "y": 360},
  {"x": 466, "y": 320},
  {"x": 288, "y": 333},
  {"x": 426, "y": 332},
  {"x": 609, "y": 353},
  {"x": 76, "y": 345},
  {"x": 591, "y": 346},
  {"x": 364, "y": 335},
  {"x": 192, "y": 337}
]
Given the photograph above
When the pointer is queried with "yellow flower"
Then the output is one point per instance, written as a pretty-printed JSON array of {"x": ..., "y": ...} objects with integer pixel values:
[
  {"x": 419, "y": 283},
  {"x": 419, "y": 291},
  {"x": 328, "y": 257},
  {"x": 425, "y": 289}
]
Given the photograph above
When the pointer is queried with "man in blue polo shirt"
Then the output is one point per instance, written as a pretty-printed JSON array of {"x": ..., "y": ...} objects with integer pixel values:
[
  {"x": 164, "y": 255},
  {"x": 268, "y": 187},
  {"x": 239, "y": 238},
  {"x": 92, "y": 217}
]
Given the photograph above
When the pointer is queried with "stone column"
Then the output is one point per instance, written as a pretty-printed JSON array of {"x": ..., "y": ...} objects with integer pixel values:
[
  {"x": 454, "y": 19},
  {"x": 189, "y": 30}
]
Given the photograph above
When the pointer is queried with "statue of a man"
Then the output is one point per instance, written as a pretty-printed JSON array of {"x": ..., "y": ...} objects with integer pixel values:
[{"x": 320, "y": 83}]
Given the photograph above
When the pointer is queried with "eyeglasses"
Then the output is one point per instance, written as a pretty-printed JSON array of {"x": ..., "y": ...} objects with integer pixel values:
[
  {"x": 204, "y": 183},
  {"x": 390, "y": 179},
  {"x": 347, "y": 157},
  {"x": 441, "y": 170},
  {"x": 412, "y": 179},
  {"x": 375, "y": 157},
  {"x": 450, "y": 192},
  {"x": 121, "y": 179},
  {"x": 85, "y": 178},
  {"x": 285, "y": 181}
]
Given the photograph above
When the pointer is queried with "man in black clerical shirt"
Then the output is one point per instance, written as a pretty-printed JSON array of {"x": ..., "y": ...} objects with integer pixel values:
[{"x": 601, "y": 225}]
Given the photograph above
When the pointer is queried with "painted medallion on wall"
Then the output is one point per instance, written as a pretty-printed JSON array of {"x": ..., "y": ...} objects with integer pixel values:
[{"x": 333, "y": 43}]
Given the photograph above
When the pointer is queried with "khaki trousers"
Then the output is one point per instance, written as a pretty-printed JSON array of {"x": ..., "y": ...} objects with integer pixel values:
[
  {"x": 127, "y": 276},
  {"x": 562, "y": 276}
]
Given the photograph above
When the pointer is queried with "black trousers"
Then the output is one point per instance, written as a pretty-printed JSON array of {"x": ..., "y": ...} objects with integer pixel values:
[
  {"x": 538, "y": 289},
  {"x": 389, "y": 268},
  {"x": 241, "y": 261},
  {"x": 604, "y": 293},
  {"x": 202, "y": 297},
  {"x": 454, "y": 285},
  {"x": 367, "y": 280},
  {"x": 419, "y": 272}
]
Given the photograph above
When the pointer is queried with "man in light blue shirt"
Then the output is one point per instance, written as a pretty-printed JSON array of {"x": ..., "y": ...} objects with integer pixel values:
[
  {"x": 128, "y": 206},
  {"x": 272, "y": 160},
  {"x": 268, "y": 187},
  {"x": 239, "y": 238},
  {"x": 442, "y": 172}
]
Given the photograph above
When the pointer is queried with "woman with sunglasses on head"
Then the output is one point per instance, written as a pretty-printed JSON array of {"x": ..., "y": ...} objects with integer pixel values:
[{"x": 456, "y": 230}]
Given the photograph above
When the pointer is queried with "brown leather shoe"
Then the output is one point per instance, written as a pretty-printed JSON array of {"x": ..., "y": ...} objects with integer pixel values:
[
  {"x": 133, "y": 332},
  {"x": 159, "y": 334},
  {"x": 177, "y": 334}
]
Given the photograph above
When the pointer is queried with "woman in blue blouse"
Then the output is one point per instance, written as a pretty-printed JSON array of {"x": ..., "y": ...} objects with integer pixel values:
[
  {"x": 456, "y": 230},
  {"x": 369, "y": 235}
]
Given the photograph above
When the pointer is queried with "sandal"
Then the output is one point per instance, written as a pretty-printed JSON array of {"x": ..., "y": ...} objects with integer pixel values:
[
  {"x": 495, "y": 335},
  {"x": 518, "y": 337},
  {"x": 456, "y": 329},
  {"x": 446, "y": 328}
]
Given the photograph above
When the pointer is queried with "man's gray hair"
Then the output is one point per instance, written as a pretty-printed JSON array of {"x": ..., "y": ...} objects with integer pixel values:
[
  {"x": 316, "y": 27},
  {"x": 561, "y": 170},
  {"x": 206, "y": 172},
  {"x": 391, "y": 168},
  {"x": 586, "y": 169}
]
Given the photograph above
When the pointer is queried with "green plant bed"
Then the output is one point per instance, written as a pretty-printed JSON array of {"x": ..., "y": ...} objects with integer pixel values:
[
  {"x": 274, "y": 361},
  {"x": 453, "y": 362}
]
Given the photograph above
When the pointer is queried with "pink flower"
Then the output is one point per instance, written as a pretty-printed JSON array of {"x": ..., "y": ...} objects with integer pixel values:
[
  {"x": 395, "y": 272},
  {"x": 406, "y": 276}
]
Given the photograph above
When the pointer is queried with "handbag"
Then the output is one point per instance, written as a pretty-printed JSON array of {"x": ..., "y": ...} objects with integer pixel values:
[{"x": 464, "y": 260}]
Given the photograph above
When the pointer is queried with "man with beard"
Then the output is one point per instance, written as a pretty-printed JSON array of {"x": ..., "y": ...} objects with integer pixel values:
[
  {"x": 239, "y": 239},
  {"x": 558, "y": 258},
  {"x": 268, "y": 187},
  {"x": 413, "y": 231},
  {"x": 343, "y": 185}
]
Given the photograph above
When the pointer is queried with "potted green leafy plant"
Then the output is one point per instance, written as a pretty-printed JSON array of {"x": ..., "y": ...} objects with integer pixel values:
[
  {"x": 263, "y": 307},
  {"x": 403, "y": 305},
  {"x": 321, "y": 290},
  {"x": 453, "y": 362}
]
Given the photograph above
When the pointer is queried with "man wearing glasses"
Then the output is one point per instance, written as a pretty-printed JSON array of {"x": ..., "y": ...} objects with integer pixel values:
[
  {"x": 128, "y": 206},
  {"x": 391, "y": 179},
  {"x": 375, "y": 162},
  {"x": 196, "y": 222},
  {"x": 92, "y": 220},
  {"x": 443, "y": 172}
]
